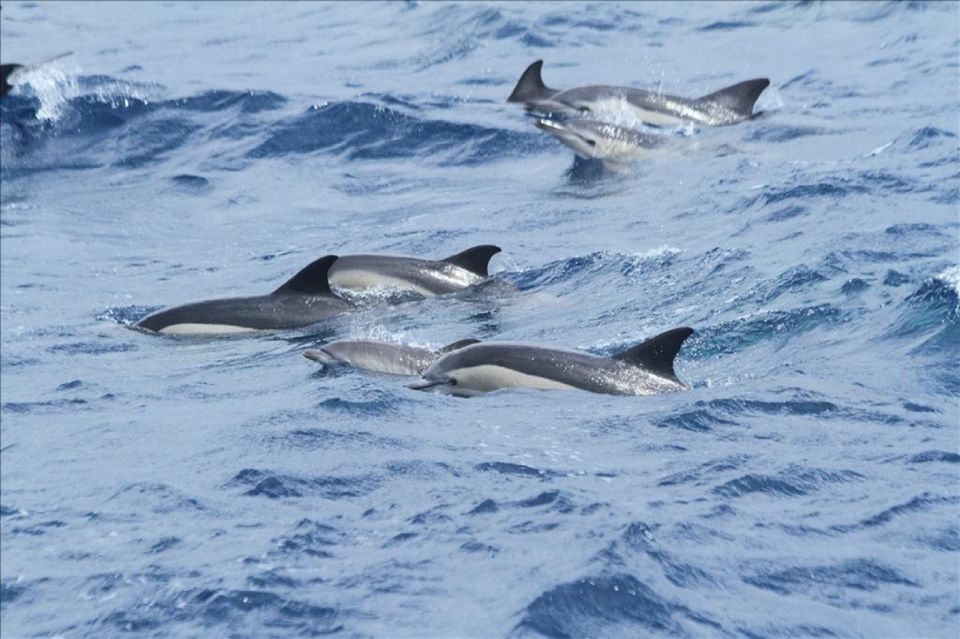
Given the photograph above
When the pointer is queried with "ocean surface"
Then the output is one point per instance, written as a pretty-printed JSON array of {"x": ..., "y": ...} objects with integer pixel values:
[{"x": 807, "y": 485}]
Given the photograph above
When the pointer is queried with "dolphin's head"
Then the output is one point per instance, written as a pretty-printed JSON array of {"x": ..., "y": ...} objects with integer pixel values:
[
  {"x": 444, "y": 376},
  {"x": 447, "y": 383},
  {"x": 581, "y": 139},
  {"x": 592, "y": 139}
]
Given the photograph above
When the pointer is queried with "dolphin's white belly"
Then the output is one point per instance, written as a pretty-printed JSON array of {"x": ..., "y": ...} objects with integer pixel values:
[
  {"x": 203, "y": 329},
  {"x": 489, "y": 377},
  {"x": 360, "y": 281}
]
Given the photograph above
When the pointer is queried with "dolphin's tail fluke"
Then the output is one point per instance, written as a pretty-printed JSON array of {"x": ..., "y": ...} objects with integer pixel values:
[
  {"x": 740, "y": 97},
  {"x": 531, "y": 88},
  {"x": 657, "y": 353}
]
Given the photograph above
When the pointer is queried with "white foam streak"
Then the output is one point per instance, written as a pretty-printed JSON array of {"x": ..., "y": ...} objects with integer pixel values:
[{"x": 951, "y": 276}]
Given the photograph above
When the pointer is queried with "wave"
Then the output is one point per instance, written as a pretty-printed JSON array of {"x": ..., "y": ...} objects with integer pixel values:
[
  {"x": 612, "y": 605},
  {"x": 363, "y": 130}
]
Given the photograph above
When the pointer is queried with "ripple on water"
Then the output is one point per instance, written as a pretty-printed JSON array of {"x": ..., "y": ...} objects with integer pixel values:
[
  {"x": 265, "y": 483},
  {"x": 230, "y": 610},
  {"x": 825, "y": 581},
  {"x": 360, "y": 130},
  {"x": 793, "y": 481}
]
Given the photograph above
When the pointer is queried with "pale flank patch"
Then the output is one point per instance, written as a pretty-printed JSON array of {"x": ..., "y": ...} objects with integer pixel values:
[
  {"x": 352, "y": 280},
  {"x": 203, "y": 329},
  {"x": 489, "y": 378}
]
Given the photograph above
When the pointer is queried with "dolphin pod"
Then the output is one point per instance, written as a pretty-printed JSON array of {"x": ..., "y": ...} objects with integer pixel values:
[
  {"x": 645, "y": 369},
  {"x": 578, "y": 117},
  {"x": 729, "y": 105},
  {"x": 308, "y": 297}
]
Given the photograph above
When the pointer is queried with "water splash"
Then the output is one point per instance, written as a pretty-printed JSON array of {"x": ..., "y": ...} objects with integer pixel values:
[{"x": 54, "y": 84}]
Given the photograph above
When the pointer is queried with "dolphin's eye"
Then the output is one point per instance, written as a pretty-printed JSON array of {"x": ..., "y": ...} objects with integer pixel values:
[
  {"x": 453, "y": 381},
  {"x": 592, "y": 142}
]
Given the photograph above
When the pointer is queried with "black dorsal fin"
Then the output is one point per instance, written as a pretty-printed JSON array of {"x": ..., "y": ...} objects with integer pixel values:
[
  {"x": 475, "y": 259},
  {"x": 531, "y": 88},
  {"x": 449, "y": 348},
  {"x": 657, "y": 353},
  {"x": 740, "y": 97},
  {"x": 311, "y": 280}
]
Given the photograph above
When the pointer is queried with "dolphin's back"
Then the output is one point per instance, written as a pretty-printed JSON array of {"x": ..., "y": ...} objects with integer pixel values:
[
  {"x": 265, "y": 312},
  {"x": 489, "y": 366},
  {"x": 379, "y": 357},
  {"x": 360, "y": 273}
]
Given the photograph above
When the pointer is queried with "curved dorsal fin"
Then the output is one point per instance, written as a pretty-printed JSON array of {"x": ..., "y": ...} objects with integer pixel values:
[
  {"x": 657, "y": 353},
  {"x": 739, "y": 97},
  {"x": 531, "y": 88},
  {"x": 475, "y": 259},
  {"x": 311, "y": 280},
  {"x": 457, "y": 345}
]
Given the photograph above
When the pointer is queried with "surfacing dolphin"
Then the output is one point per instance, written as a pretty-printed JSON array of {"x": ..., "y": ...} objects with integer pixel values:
[
  {"x": 592, "y": 139},
  {"x": 304, "y": 299},
  {"x": 645, "y": 369},
  {"x": 12, "y": 74},
  {"x": 381, "y": 357},
  {"x": 730, "y": 105},
  {"x": 360, "y": 273}
]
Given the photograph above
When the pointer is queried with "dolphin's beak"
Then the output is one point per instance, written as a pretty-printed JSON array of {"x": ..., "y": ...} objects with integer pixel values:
[
  {"x": 426, "y": 384},
  {"x": 549, "y": 125},
  {"x": 320, "y": 356}
]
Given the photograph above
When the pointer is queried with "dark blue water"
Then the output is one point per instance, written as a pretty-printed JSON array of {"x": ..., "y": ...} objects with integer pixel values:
[{"x": 807, "y": 484}]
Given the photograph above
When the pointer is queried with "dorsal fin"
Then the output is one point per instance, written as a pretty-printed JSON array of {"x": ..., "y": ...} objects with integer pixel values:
[
  {"x": 311, "y": 280},
  {"x": 449, "y": 348},
  {"x": 531, "y": 88},
  {"x": 740, "y": 97},
  {"x": 657, "y": 353},
  {"x": 475, "y": 259}
]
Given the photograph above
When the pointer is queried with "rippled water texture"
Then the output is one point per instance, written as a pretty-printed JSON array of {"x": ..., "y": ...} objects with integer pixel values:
[{"x": 806, "y": 485}]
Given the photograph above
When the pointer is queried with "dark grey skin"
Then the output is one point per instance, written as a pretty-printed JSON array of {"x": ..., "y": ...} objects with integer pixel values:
[
  {"x": 381, "y": 357},
  {"x": 645, "y": 369},
  {"x": 729, "y": 105},
  {"x": 303, "y": 300},
  {"x": 7, "y": 73},
  {"x": 362, "y": 273}
]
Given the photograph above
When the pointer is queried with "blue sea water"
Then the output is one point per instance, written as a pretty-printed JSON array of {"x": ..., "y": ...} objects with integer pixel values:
[{"x": 807, "y": 485}]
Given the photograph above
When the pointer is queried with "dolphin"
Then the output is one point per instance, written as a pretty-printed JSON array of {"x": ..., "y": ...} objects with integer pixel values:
[
  {"x": 360, "y": 273},
  {"x": 592, "y": 139},
  {"x": 304, "y": 299},
  {"x": 730, "y": 105},
  {"x": 11, "y": 74},
  {"x": 381, "y": 357},
  {"x": 645, "y": 369},
  {"x": 8, "y": 77}
]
